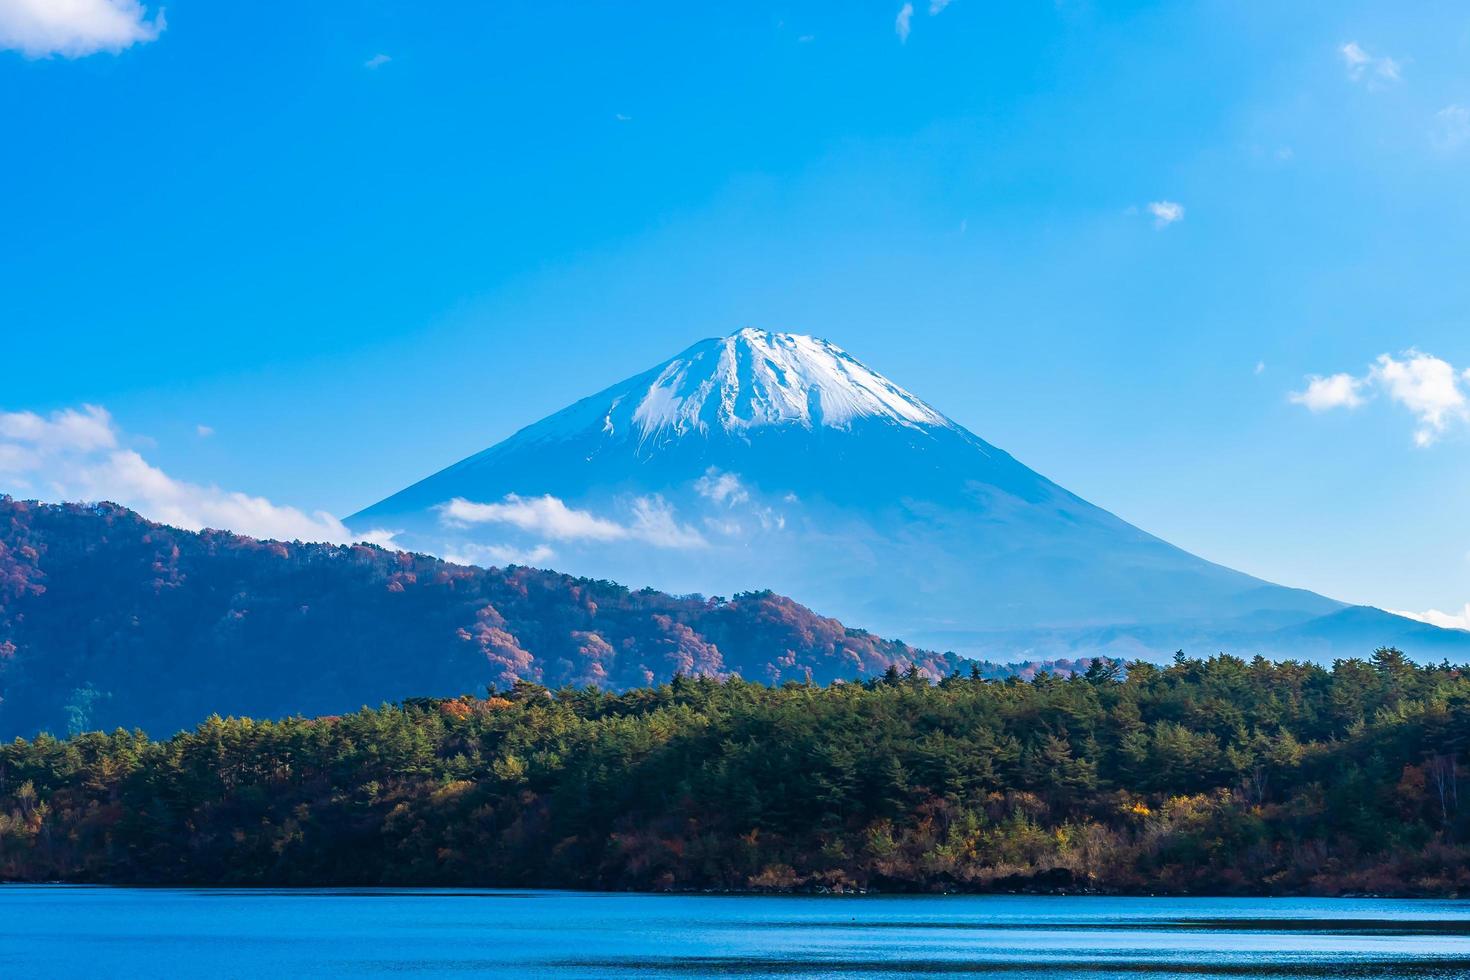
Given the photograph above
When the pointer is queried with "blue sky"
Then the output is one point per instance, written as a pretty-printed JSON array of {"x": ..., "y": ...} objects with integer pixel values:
[{"x": 358, "y": 241}]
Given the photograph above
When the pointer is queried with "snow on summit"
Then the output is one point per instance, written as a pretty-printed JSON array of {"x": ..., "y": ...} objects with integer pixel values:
[
  {"x": 757, "y": 378},
  {"x": 752, "y": 379}
]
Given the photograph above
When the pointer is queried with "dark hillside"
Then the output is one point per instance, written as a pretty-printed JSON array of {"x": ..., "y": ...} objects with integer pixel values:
[{"x": 108, "y": 619}]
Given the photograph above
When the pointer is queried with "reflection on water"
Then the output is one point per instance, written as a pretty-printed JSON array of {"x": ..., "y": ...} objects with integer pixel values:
[{"x": 74, "y": 932}]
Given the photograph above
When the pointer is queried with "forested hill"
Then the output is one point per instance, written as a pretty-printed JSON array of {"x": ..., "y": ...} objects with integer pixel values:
[
  {"x": 107, "y": 620},
  {"x": 1206, "y": 776}
]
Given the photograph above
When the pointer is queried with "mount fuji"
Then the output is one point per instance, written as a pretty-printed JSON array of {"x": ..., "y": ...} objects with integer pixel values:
[{"x": 778, "y": 461}]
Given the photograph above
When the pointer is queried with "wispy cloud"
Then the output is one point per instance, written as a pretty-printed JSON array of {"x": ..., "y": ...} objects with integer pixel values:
[
  {"x": 80, "y": 454},
  {"x": 376, "y": 61},
  {"x": 1364, "y": 67},
  {"x": 723, "y": 525},
  {"x": 653, "y": 521},
  {"x": 727, "y": 491},
  {"x": 622, "y": 118},
  {"x": 546, "y": 516},
  {"x": 1451, "y": 127},
  {"x": 1429, "y": 387},
  {"x": 75, "y": 28},
  {"x": 937, "y": 6},
  {"x": 1166, "y": 213},
  {"x": 722, "y": 488},
  {"x": 469, "y": 553},
  {"x": 203, "y": 431},
  {"x": 903, "y": 23}
]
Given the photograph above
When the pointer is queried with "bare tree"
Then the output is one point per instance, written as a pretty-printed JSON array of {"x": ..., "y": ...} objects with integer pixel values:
[{"x": 1444, "y": 770}]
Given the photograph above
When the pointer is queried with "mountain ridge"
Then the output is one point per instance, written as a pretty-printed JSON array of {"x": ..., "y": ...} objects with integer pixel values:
[{"x": 108, "y": 619}]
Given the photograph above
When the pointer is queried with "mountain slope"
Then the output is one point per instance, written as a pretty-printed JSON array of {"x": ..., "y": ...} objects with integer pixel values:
[
  {"x": 107, "y": 620},
  {"x": 776, "y": 460}
]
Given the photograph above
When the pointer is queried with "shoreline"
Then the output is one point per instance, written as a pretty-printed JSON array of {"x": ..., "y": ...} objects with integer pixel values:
[{"x": 801, "y": 892}]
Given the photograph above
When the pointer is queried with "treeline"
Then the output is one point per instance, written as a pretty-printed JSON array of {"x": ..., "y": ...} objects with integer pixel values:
[{"x": 1215, "y": 775}]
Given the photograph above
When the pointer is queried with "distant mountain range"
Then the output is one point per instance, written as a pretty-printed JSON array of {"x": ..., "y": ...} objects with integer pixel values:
[
  {"x": 770, "y": 460},
  {"x": 109, "y": 620}
]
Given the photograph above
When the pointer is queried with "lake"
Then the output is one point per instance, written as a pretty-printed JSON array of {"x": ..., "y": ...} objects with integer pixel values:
[{"x": 61, "y": 931}]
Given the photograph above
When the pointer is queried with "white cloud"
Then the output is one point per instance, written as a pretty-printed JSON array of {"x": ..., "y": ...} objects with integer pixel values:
[
  {"x": 79, "y": 455},
  {"x": 75, "y": 28},
  {"x": 1425, "y": 385},
  {"x": 1166, "y": 213},
  {"x": 1260, "y": 367},
  {"x": 380, "y": 536},
  {"x": 549, "y": 517},
  {"x": 653, "y": 522},
  {"x": 1451, "y": 621},
  {"x": 66, "y": 431},
  {"x": 203, "y": 431},
  {"x": 902, "y": 23},
  {"x": 722, "y": 488},
  {"x": 1451, "y": 127},
  {"x": 1428, "y": 386},
  {"x": 152, "y": 492},
  {"x": 546, "y": 515},
  {"x": 806, "y": 39},
  {"x": 468, "y": 553},
  {"x": 622, "y": 118},
  {"x": 376, "y": 61},
  {"x": 937, "y": 6},
  {"x": 1335, "y": 391},
  {"x": 1362, "y": 66}
]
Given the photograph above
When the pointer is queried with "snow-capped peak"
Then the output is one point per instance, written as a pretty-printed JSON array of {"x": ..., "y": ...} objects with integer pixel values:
[{"x": 756, "y": 378}]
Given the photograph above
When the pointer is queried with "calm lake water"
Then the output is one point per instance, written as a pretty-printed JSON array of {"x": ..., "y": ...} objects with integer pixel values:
[{"x": 58, "y": 931}]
